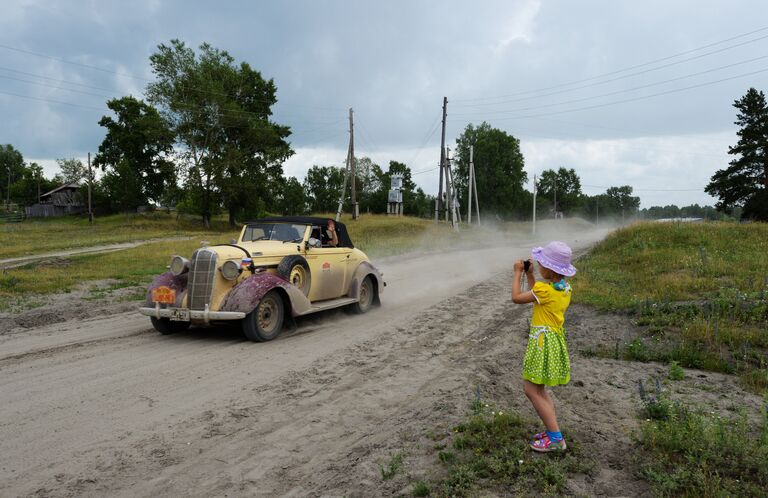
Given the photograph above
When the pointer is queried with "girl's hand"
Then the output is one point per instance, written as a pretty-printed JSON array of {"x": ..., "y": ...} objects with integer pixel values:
[{"x": 519, "y": 266}]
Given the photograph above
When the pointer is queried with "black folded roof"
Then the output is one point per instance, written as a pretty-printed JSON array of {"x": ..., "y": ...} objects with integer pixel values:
[{"x": 341, "y": 229}]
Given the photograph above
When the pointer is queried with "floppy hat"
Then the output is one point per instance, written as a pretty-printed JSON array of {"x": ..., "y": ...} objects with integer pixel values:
[{"x": 556, "y": 256}]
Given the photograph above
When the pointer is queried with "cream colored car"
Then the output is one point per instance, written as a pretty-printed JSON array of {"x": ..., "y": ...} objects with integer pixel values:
[{"x": 278, "y": 268}]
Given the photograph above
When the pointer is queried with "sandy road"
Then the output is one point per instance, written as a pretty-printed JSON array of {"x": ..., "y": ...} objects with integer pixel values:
[{"x": 108, "y": 406}]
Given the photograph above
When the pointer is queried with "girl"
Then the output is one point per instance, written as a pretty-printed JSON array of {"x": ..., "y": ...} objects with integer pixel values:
[{"x": 546, "y": 359}]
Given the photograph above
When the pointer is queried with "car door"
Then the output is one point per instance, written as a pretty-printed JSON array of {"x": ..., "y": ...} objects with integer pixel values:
[{"x": 328, "y": 267}]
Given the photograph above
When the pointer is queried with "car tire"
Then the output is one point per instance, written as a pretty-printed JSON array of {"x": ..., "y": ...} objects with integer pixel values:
[
  {"x": 167, "y": 326},
  {"x": 265, "y": 322},
  {"x": 295, "y": 270},
  {"x": 367, "y": 296}
]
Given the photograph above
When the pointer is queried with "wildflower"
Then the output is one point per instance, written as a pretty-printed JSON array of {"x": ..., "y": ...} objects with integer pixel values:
[
  {"x": 520, "y": 462},
  {"x": 501, "y": 413}
]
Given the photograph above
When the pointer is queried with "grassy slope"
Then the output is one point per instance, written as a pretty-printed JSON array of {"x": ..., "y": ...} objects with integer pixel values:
[
  {"x": 48, "y": 235},
  {"x": 702, "y": 291}
]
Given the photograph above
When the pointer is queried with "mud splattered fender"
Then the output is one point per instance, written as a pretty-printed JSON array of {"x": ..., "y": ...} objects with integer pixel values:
[
  {"x": 246, "y": 295},
  {"x": 363, "y": 270},
  {"x": 167, "y": 279}
]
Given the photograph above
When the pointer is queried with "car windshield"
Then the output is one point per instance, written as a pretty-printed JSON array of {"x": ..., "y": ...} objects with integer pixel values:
[{"x": 284, "y": 232}]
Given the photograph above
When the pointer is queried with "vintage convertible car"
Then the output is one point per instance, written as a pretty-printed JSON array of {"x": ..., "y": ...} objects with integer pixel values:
[{"x": 280, "y": 267}]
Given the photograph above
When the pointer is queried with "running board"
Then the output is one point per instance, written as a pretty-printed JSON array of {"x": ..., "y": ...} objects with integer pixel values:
[{"x": 329, "y": 304}]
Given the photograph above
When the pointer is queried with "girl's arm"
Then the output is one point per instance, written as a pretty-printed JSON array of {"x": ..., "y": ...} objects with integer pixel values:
[{"x": 517, "y": 296}]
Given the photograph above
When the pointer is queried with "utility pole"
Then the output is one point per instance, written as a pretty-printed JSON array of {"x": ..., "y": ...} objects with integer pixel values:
[
  {"x": 597, "y": 210},
  {"x": 355, "y": 210},
  {"x": 450, "y": 192},
  {"x": 90, "y": 180},
  {"x": 472, "y": 186},
  {"x": 439, "y": 203},
  {"x": 471, "y": 174},
  {"x": 555, "y": 195},
  {"x": 534, "y": 204},
  {"x": 8, "y": 198},
  {"x": 349, "y": 173}
]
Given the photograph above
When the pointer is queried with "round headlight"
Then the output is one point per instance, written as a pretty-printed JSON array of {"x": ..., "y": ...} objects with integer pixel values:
[
  {"x": 230, "y": 270},
  {"x": 179, "y": 265}
]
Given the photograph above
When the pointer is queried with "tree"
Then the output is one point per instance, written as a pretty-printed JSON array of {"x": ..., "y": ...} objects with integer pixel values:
[
  {"x": 292, "y": 200},
  {"x": 565, "y": 185},
  {"x": 323, "y": 187},
  {"x": 498, "y": 169},
  {"x": 72, "y": 170},
  {"x": 619, "y": 200},
  {"x": 30, "y": 185},
  {"x": 220, "y": 113},
  {"x": 745, "y": 182},
  {"x": 11, "y": 169},
  {"x": 135, "y": 154}
]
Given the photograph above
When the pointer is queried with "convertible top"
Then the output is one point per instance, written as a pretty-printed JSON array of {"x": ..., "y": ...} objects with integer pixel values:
[{"x": 341, "y": 229}]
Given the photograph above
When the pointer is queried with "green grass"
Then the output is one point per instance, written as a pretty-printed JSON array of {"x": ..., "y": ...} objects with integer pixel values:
[
  {"x": 489, "y": 453},
  {"x": 700, "y": 290},
  {"x": 688, "y": 452},
  {"x": 52, "y": 234},
  {"x": 391, "y": 468}
]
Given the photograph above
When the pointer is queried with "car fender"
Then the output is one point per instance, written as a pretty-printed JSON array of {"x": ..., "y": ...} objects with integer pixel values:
[
  {"x": 177, "y": 283},
  {"x": 363, "y": 270},
  {"x": 245, "y": 296}
]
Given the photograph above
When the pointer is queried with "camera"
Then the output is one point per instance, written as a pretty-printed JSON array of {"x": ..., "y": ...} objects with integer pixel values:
[{"x": 526, "y": 265}]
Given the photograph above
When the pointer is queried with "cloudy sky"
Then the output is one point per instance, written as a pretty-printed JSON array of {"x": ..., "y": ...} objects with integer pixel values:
[{"x": 626, "y": 93}]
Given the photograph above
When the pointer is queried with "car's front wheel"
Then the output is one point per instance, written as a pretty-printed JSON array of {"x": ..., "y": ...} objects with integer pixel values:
[
  {"x": 265, "y": 322},
  {"x": 167, "y": 326}
]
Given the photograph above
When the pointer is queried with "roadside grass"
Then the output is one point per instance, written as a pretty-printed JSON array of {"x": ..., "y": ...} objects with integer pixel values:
[
  {"x": 48, "y": 235},
  {"x": 689, "y": 452},
  {"x": 377, "y": 235},
  {"x": 701, "y": 291},
  {"x": 488, "y": 453}
]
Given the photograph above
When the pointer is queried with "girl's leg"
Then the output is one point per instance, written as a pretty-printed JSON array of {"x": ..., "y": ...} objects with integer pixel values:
[{"x": 543, "y": 404}]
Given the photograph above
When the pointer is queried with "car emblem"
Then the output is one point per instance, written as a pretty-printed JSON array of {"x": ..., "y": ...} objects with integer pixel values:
[{"x": 326, "y": 266}]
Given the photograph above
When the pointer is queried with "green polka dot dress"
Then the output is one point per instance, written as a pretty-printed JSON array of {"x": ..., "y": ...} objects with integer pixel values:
[{"x": 546, "y": 358}]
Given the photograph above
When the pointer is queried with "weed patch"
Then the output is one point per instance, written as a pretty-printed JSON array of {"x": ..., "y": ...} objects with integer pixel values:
[
  {"x": 489, "y": 452},
  {"x": 693, "y": 453},
  {"x": 392, "y": 467}
]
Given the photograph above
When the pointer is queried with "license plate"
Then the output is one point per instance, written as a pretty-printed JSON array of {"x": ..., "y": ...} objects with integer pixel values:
[
  {"x": 179, "y": 314},
  {"x": 164, "y": 295}
]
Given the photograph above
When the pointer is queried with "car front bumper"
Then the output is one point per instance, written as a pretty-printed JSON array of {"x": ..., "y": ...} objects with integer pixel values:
[{"x": 205, "y": 315}]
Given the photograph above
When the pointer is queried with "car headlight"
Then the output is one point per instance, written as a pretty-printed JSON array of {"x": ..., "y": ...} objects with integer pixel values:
[
  {"x": 179, "y": 265},
  {"x": 230, "y": 270}
]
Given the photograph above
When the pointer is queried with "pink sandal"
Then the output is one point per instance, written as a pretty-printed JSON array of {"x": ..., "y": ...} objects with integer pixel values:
[
  {"x": 545, "y": 445},
  {"x": 540, "y": 435}
]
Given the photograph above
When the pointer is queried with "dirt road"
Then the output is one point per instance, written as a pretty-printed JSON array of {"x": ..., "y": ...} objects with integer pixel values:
[{"x": 107, "y": 406}]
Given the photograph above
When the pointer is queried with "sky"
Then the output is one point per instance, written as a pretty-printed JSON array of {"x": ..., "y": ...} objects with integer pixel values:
[{"x": 625, "y": 93}]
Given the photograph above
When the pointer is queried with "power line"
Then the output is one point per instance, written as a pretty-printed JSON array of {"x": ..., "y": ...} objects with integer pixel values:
[
  {"x": 650, "y": 189},
  {"x": 627, "y": 90},
  {"x": 632, "y": 67},
  {"x": 677, "y": 90}
]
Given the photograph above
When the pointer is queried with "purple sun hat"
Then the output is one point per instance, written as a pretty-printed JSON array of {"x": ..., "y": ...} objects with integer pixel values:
[{"x": 556, "y": 256}]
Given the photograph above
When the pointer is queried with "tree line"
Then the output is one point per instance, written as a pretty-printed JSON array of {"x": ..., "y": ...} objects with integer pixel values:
[{"x": 204, "y": 141}]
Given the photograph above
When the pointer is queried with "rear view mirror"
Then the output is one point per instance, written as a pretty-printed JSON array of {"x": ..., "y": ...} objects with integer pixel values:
[{"x": 233, "y": 241}]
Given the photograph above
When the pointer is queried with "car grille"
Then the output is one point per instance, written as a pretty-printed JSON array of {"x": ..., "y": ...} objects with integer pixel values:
[{"x": 201, "y": 279}]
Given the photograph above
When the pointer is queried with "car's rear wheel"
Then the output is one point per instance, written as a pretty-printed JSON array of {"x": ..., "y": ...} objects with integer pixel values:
[
  {"x": 367, "y": 296},
  {"x": 265, "y": 322},
  {"x": 167, "y": 326},
  {"x": 295, "y": 270}
]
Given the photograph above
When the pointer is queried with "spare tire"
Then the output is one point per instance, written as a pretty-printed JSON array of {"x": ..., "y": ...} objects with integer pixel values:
[{"x": 295, "y": 270}]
